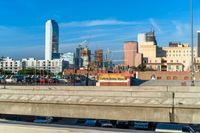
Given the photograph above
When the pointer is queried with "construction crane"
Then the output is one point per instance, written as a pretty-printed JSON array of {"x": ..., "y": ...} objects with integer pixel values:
[{"x": 83, "y": 44}]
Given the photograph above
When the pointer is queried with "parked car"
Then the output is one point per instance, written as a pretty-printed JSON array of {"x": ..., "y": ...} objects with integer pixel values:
[
  {"x": 90, "y": 123},
  {"x": 104, "y": 123},
  {"x": 2, "y": 80},
  {"x": 122, "y": 124},
  {"x": 42, "y": 80},
  {"x": 52, "y": 81},
  {"x": 20, "y": 79},
  {"x": 173, "y": 128},
  {"x": 43, "y": 119},
  {"x": 141, "y": 125},
  {"x": 11, "y": 79}
]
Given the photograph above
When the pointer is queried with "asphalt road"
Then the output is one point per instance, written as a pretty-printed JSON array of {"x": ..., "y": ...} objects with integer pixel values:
[{"x": 25, "y": 127}]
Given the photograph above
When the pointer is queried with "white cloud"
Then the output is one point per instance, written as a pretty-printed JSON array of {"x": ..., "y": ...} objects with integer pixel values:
[
  {"x": 182, "y": 29},
  {"x": 155, "y": 25},
  {"x": 92, "y": 23}
]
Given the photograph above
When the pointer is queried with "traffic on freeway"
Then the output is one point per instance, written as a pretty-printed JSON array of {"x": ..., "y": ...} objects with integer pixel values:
[{"x": 99, "y": 125}]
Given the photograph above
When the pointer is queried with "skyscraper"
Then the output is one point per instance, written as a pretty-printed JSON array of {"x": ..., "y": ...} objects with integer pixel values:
[
  {"x": 51, "y": 40},
  {"x": 98, "y": 58},
  {"x": 131, "y": 55},
  {"x": 198, "y": 43}
]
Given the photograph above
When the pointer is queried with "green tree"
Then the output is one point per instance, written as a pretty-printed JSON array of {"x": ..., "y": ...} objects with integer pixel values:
[{"x": 32, "y": 71}]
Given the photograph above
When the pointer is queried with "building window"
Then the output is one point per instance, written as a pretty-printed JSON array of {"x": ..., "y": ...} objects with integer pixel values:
[
  {"x": 169, "y": 67},
  {"x": 158, "y": 78},
  {"x": 158, "y": 67},
  {"x": 175, "y": 78},
  {"x": 168, "y": 78},
  {"x": 177, "y": 67},
  {"x": 171, "y": 61},
  {"x": 177, "y": 61},
  {"x": 183, "y": 61}
]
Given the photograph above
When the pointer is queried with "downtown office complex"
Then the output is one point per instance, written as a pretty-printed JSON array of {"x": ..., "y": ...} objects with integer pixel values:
[{"x": 175, "y": 57}]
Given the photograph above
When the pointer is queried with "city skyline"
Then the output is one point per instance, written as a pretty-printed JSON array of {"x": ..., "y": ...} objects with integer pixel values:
[{"x": 104, "y": 24}]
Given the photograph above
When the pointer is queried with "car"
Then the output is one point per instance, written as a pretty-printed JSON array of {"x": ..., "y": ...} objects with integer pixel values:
[
  {"x": 2, "y": 80},
  {"x": 104, "y": 123},
  {"x": 141, "y": 125},
  {"x": 122, "y": 124},
  {"x": 20, "y": 79},
  {"x": 91, "y": 123},
  {"x": 173, "y": 128},
  {"x": 11, "y": 79},
  {"x": 43, "y": 119},
  {"x": 42, "y": 80}
]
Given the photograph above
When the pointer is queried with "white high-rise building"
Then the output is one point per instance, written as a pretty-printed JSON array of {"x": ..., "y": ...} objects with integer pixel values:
[
  {"x": 51, "y": 40},
  {"x": 141, "y": 39}
]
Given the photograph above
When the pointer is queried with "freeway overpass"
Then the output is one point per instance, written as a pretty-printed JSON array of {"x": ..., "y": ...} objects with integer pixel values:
[{"x": 180, "y": 104}]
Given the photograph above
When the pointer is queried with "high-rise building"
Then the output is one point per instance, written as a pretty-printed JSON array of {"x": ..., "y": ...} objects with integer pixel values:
[
  {"x": 150, "y": 37},
  {"x": 51, "y": 40},
  {"x": 85, "y": 56},
  {"x": 130, "y": 54},
  {"x": 198, "y": 43},
  {"x": 147, "y": 46},
  {"x": 141, "y": 38},
  {"x": 78, "y": 60},
  {"x": 98, "y": 58},
  {"x": 69, "y": 57}
]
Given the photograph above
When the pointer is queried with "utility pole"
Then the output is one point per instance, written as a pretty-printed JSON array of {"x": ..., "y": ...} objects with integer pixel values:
[{"x": 192, "y": 44}]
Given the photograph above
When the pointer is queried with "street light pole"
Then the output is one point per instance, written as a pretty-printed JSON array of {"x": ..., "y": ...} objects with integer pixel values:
[{"x": 192, "y": 44}]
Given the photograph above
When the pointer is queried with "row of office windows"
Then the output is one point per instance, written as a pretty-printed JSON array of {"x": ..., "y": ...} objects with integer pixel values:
[
  {"x": 171, "y": 61},
  {"x": 170, "y": 67},
  {"x": 178, "y": 55},
  {"x": 177, "y": 61},
  {"x": 178, "y": 67},
  {"x": 179, "y": 51}
]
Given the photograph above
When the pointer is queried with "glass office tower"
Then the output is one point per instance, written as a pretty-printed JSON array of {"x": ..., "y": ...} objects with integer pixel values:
[{"x": 51, "y": 40}]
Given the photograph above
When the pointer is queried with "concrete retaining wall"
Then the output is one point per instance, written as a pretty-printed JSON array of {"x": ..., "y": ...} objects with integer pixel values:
[{"x": 160, "y": 103}]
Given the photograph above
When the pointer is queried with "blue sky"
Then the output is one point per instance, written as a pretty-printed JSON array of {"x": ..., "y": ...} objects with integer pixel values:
[{"x": 104, "y": 23}]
